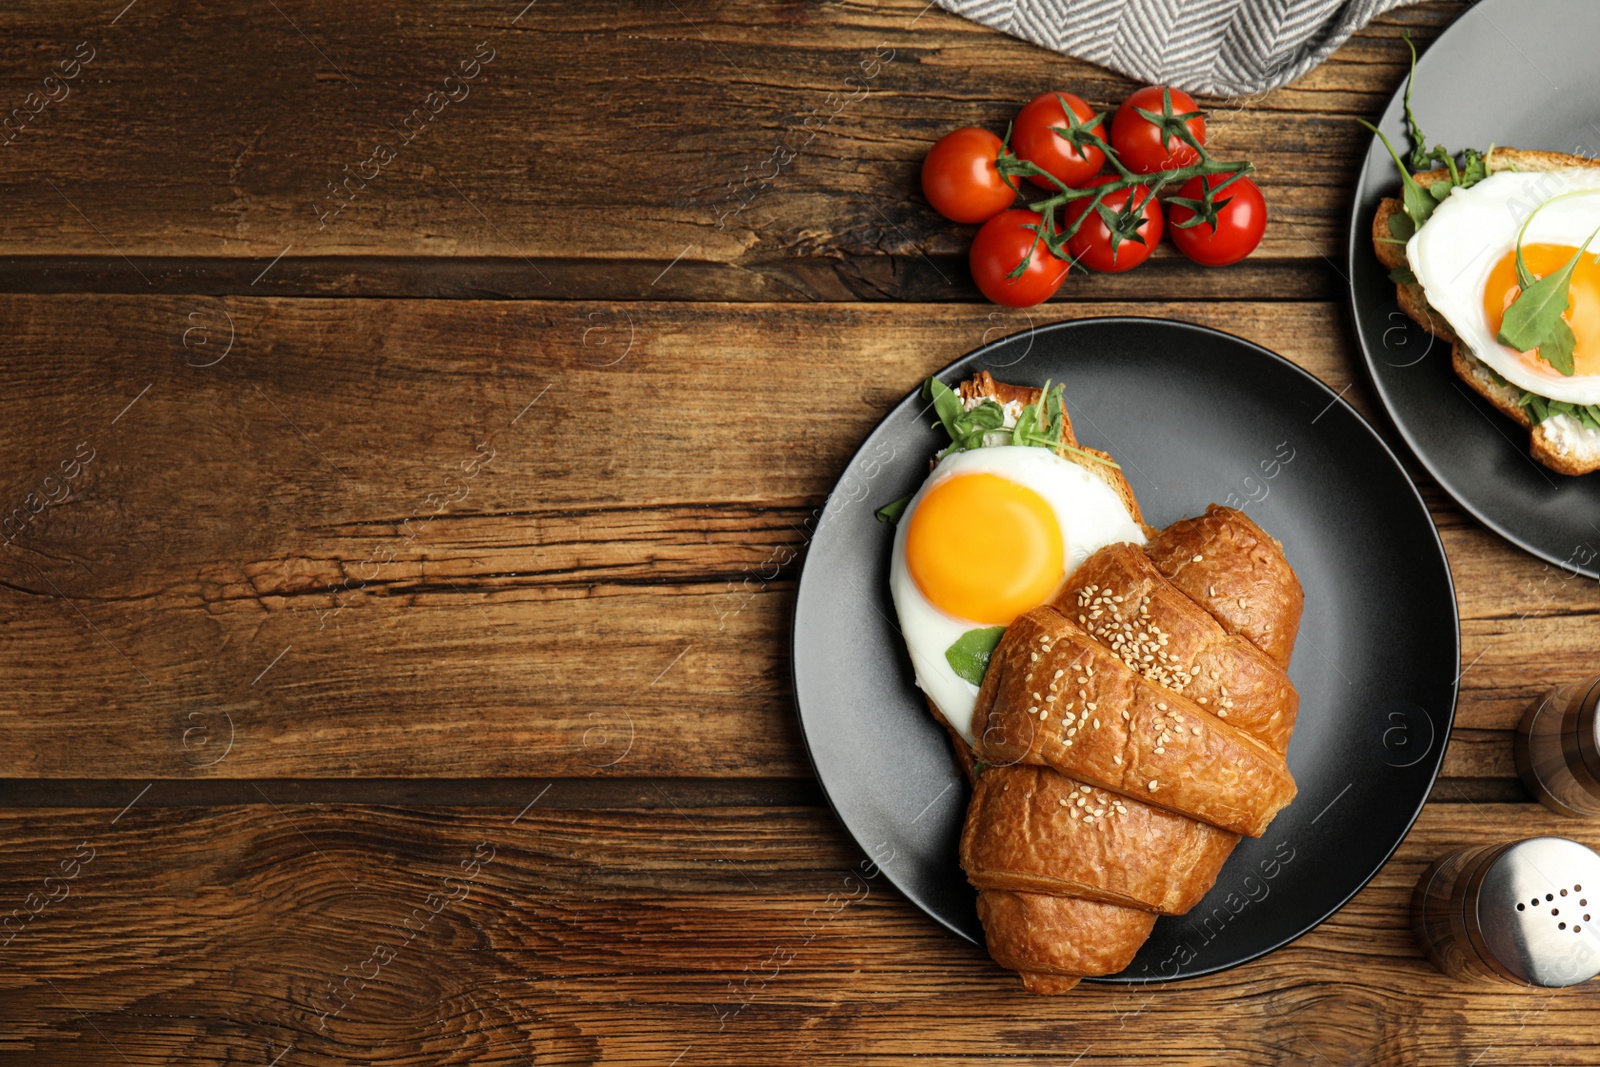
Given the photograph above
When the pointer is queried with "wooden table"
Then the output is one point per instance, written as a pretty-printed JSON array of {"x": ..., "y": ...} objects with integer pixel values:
[{"x": 395, "y": 625}]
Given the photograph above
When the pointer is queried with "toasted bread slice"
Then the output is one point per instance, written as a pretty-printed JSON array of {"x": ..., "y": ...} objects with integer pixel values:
[
  {"x": 982, "y": 386},
  {"x": 1414, "y": 302},
  {"x": 1560, "y": 443}
]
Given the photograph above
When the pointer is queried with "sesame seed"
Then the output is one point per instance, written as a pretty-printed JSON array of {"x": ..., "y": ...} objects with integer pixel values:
[
  {"x": 1062, "y": 802},
  {"x": 1212, "y": 591},
  {"x": 1197, "y": 558},
  {"x": 1117, "y": 760},
  {"x": 1043, "y": 715},
  {"x": 1160, "y": 751},
  {"x": 1097, "y": 725},
  {"x": 1083, "y": 789},
  {"x": 1033, "y": 656},
  {"x": 1073, "y": 812},
  {"x": 1161, "y": 707},
  {"x": 1200, "y": 700},
  {"x": 1195, "y": 730},
  {"x": 1241, "y": 602},
  {"x": 1059, "y": 673},
  {"x": 1222, "y": 713},
  {"x": 1152, "y": 786}
]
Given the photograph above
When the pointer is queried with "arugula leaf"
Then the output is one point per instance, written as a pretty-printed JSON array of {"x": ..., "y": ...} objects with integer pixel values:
[
  {"x": 1537, "y": 406},
  {"x": 969, "y": 655},
  {"x": 967, "y": 429},
  {"x": 1419, "y": 155},
  {"x": 1525, "y": 276},
  {"x": 946, "y": 404},
  {"x": 892, "y": 511},
  {"x": 971, "y": 429},
  {"x": 1558, "y": 346},
  {"x": 1540, "y": 408},
  {"x": 1402, "y": 275},
  {"x": 1419, "y": 205},
  {"x": 1422, "y": 158},
  {"x": 1533, "y": 321},
  {"x": 1420, "y": 201}
]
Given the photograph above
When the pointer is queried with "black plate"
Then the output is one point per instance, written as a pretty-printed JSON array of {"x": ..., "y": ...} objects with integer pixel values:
[
  {"x": 1516, "y": 72},
  {"x": 1194, "y": 416}
]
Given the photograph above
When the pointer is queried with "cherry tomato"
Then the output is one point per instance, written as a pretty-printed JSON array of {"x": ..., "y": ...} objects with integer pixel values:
[
  {"x": 1137, "y": 140},
  {"x": 959, "y": 176},
  {"x": 1000, "y": 246},
  {"x": 1033, "y": 139},
  {"x": 1240, "y": 222},
  {"x": 1091, "y": 245}
]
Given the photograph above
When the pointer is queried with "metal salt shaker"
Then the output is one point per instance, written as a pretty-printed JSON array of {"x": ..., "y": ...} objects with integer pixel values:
[
  {"x": 1526, "y": 912},
  {"x": 1557, "y": 749}
]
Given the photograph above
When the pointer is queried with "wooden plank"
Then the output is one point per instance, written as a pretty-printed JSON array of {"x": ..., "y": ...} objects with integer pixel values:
[
  {"x": 234, "y": 558},
  {"x": 939, "y": 278},
  {"x": 696, "y": 935},
  {"x": 771, "y": 153}
]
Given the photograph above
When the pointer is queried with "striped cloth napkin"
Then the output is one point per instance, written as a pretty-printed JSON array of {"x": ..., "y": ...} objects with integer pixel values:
[{"x": 1206, "y": 47}]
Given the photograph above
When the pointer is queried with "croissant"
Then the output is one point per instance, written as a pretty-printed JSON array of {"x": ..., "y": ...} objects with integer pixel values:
[{"x": 1126, "y": 735}]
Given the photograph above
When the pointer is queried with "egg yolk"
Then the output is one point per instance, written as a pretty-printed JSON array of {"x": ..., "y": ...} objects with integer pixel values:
[
  {"x": 1583, "y": 311},
  {"x": 984, "y": 548}
]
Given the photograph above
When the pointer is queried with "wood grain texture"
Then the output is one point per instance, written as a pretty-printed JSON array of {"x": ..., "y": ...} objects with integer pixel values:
[
  {"x": 347, "y": 597},
  {"x": 771, "y": 151},
  {"x": 716, "y": 935},
  {"x": 235, "y": 561}
]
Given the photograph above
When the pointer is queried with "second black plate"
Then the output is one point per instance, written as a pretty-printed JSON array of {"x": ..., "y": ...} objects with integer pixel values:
[
  {"x": 1486, "y": 81},
  {"x": 1194, "y": 416}
]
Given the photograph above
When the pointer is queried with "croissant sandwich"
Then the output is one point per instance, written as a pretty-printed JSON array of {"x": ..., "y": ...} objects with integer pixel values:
[{"x": 1121, "y": 727}]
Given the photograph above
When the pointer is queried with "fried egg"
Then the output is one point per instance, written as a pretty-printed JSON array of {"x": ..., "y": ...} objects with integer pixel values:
[
  {"x": 1464, "y": 256},
  {"x": 993, "y": 532}
]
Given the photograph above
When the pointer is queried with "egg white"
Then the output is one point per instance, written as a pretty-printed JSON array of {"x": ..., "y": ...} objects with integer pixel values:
[
  {"x": 1090, "y": 515},
  {"x": 1453, "y": 253}
]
